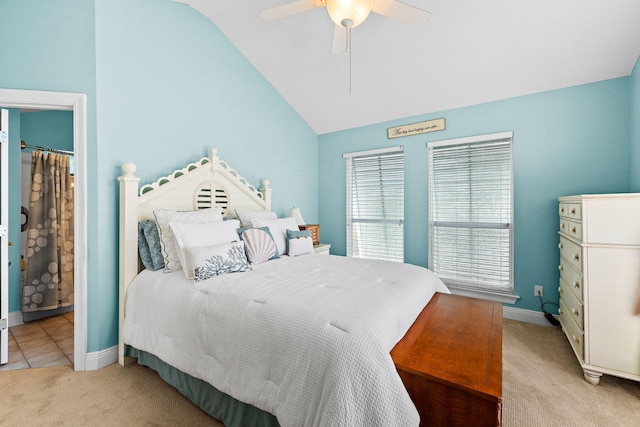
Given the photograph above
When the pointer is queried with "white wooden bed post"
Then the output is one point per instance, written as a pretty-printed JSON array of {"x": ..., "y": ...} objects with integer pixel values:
[{"x": 128, "y": 241}]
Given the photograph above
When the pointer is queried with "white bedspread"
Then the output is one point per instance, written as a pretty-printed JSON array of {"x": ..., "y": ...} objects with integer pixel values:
[{"x": 306, "y": 339}]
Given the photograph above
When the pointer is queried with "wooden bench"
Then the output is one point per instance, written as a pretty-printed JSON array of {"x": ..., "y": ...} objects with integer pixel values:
[{"x": 450, "y": 361}]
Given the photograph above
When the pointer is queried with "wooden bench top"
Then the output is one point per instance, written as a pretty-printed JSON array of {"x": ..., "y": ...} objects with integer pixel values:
[{"x": 456, "y": 344}]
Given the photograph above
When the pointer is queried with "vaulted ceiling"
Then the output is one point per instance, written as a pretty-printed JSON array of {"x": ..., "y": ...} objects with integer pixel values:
[{"x": 469, "y": 52}]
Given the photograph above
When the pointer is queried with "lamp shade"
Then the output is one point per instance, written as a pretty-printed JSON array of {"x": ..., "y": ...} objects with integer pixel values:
[
  {"x": 295, "y": 213},
  {"x": 354, "y": 10}
]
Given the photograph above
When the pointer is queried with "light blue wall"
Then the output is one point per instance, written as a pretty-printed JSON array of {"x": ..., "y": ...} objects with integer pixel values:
[
  {"x": 46, "y": 46},
  {"x": 48, "y": 129},
  {"x": 566, "y": 142},
  {"x": 163, "y": 85},
  {"x": 634, "y": 119},
  {"x": 170, "y": 86}
]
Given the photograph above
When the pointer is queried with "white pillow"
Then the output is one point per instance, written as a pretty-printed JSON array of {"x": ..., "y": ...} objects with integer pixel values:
[
  {"x": 168, "y": 240},
  {"x": 247, "y": 215},
  {"x": 190, "y": 235},
  {"x": 278, "y": 229},
  {"x": 299, "y": 242},
  {"x": 209, "y": 261}
]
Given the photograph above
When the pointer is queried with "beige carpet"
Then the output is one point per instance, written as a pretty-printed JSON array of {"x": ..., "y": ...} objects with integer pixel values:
[{"x": 542, "y": 386}]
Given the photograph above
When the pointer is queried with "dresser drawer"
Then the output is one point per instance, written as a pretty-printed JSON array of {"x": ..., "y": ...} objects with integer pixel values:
[
  {"x": 570, "y": 210},
  {"x": 572, "y": 303},
  {"x": 572, "y": 277},
  {"x": 572, "y": 252},
  {"x": 572, "y": 331},
  {"x": 572, "y": 228}
]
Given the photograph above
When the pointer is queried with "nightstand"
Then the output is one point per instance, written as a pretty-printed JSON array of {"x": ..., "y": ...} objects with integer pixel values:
[
  {"x": 314, "y": 229},
  {"x": 321, "y": 248}
]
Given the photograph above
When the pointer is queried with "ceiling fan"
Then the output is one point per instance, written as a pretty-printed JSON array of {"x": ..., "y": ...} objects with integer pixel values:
[{"x": 348, "y": 14}]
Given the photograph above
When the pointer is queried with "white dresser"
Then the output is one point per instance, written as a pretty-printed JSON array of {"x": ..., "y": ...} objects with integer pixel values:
[{"x": 600, "y": 282}]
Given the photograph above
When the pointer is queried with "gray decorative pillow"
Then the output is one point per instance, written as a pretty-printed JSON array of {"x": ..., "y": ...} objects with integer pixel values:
[
  {"x": 149, "y": 245},
  {"x": 143, "y": 248},
  {"x": 210, "y": 261}
]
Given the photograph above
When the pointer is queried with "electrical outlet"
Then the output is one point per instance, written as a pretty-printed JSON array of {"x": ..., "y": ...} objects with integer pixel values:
[{"x": 538, "y": 290}]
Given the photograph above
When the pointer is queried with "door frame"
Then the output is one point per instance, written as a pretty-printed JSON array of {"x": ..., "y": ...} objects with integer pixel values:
[
  {"x": 76, "y": 102},
  {"x": 4, "y": 246}
]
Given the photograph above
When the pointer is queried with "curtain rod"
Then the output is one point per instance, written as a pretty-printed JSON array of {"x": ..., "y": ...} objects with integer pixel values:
[{"x": 24, "y": 145}]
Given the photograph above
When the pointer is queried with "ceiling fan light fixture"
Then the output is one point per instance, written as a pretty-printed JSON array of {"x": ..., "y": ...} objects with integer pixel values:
[{"x": 354, "y": 10}]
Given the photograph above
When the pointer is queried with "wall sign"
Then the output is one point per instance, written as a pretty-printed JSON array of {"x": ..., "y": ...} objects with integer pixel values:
[{"x": 416, "y": 128}]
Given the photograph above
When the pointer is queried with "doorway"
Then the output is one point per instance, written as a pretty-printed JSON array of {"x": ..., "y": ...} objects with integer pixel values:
[{"x": 38, "y": 101}]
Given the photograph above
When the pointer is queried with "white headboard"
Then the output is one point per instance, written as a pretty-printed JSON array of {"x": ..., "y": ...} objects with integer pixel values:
[{"x": 206, "y": 183}]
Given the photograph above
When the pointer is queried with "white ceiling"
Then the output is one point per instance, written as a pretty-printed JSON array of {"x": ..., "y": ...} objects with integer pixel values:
[{"x": 470, "y": 52}]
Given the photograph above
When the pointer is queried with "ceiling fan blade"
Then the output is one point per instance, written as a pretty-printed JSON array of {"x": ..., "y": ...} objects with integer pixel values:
[
  {"x": 290, "y": 9},
  {"x": 401, "y": 11},
  {"x": 339, "y": 44}
]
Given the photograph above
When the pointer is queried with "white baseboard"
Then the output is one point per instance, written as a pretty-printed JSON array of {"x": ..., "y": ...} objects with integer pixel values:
[
  {"x": 93, "y": 361},
  {"x": 529, "y": 316},
  {"x": 99, "y": 359},
  {"x": 15, "y": 318}
]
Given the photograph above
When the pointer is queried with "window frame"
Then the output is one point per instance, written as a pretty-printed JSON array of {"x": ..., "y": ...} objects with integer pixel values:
[
  {"x": 349, "y": 158},
  {"x": 475, "y": 289}
]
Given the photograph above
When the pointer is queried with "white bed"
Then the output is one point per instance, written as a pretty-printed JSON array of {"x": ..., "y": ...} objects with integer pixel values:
[{"x": 304, "y": 338}]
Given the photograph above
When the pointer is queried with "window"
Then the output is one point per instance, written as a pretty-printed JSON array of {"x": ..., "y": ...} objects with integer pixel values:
[
  {"x": 375, "y": 204},
  {"x": 470, "y": 215}
]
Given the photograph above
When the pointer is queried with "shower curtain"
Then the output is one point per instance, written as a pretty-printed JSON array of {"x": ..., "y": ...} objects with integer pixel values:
[{"x": 48, "y": 276}]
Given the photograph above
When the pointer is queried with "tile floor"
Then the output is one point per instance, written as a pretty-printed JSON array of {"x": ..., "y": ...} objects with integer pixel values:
[{"x": 40, "y": 343}]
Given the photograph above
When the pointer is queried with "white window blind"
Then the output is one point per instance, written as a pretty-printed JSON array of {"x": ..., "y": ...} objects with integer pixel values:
[
  {"x": 471, "y": 211},
  {"x": 375, "y": 204}
]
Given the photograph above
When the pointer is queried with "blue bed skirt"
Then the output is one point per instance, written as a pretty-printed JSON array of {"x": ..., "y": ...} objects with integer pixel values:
[{"x": 219, "y": 405}]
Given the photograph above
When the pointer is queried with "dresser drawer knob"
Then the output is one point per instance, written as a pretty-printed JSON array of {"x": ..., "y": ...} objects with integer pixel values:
[
  {"x": 574, "y": 311},
  {"x": 560, "y": 289},
  {"x": 576, "y": 285},
  {"x": 573, "y": 211},
  {"x": 561, "y": 210},
  {"x": 560, "y": 311},
  {"x": 560, "y": 246},
  {"x": 573, "y": 230},
  {"x": 575, "y": 338},
  {"x": 576, "y": 257},
  {"x": 562, "y": 226},
  {"x": 561, "y": 267}
]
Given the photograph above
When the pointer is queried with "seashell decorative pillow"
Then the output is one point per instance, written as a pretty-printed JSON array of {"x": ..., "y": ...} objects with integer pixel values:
[
  {"x": 259, "y": 244},
  {"x": 278, "y": 229}
]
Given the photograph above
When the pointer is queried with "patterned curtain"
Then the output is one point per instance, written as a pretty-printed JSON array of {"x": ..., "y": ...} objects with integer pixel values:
[{"x": 48, "y": 276}]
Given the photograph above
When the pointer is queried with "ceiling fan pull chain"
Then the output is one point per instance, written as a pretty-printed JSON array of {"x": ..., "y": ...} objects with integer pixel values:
[
  {"x": 349, "y": 49},
  {"x": 347, "y": 24},
  {"x": 347, "y": 40}
]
